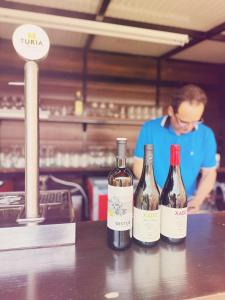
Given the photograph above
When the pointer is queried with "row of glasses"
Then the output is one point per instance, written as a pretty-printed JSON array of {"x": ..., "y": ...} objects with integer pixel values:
[
  {"x": 92, "y": 158},
  {"x": 123, "y": 111},
  {"x": 16, "y": 103},
  {"x": 11, "y": 102},
  {"x": 13, "y": 157},
  {"x": 57, "y": 110},
  {"x": 94, "y": 109}
]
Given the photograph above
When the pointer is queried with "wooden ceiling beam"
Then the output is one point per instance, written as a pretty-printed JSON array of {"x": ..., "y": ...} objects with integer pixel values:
[
  {"x": 207, "y": 36},
  {"x": 46, "y": 10},
  {"x": 98, "y": 17},
  {"x": 219, "y": 38},
  {"x": 104, "y": 7},
  {"x": 193, "y": 33}
]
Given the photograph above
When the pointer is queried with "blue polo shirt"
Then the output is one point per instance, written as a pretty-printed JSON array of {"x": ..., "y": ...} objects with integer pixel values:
[{"x": 198, "y": 150}]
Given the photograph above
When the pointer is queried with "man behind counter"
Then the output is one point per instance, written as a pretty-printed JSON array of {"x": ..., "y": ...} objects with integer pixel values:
[{"x": 183, "y": 126}]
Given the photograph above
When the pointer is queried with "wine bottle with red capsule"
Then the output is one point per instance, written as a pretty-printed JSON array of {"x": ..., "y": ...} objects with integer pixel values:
[{"x": 173, "y": 202}]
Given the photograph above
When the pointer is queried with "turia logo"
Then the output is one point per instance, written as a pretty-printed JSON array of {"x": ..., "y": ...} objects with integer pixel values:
[{"x": 31, "y": 40}]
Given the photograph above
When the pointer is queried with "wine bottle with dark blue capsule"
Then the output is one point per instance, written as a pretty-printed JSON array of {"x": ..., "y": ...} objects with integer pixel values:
[{"x": 146, "y": 218}]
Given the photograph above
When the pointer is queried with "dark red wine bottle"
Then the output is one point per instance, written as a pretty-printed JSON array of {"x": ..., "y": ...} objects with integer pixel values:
[
  {"x": 173, "y": 201},
  {"x": 146, "y": 217},
  {"x": 120, "y": 201}
]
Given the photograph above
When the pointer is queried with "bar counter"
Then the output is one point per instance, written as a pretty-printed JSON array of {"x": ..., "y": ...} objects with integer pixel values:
[{"x": 91, "y": 271}]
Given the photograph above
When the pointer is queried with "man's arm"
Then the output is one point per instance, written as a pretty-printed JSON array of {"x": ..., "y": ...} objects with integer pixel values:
[
  {"x": 206, "y": 184},
  {"x": 137, "y": 167}
]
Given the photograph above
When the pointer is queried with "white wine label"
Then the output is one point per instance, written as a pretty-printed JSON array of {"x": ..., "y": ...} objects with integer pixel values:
[
  {"x": 120, "y": 203},
  {"x": 146, "y": 225},
  {"x": 173, "y": 222}
]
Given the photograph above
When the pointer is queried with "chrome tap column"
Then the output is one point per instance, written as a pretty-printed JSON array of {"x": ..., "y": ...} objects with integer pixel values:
[
  {"x": 31, "y": 140},
  {"x": 32, "y": 44}
]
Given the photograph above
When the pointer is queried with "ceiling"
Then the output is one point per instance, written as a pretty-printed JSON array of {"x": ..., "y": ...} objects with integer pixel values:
[{"x": 202, "y": 20}]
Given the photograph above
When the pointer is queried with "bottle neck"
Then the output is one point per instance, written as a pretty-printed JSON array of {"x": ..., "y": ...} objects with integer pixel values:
[
  {"x": 148, "y": 161},
  {"x": 175, "y": 157},
  {"x": 175, "y": 168},
  {"x": 121, "y": 153},
  {"x": 120, "y": 162},
  {"x": 147, "y": 168}
]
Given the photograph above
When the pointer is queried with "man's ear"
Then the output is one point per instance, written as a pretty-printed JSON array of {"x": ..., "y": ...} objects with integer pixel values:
[{"x": 170, "y": 111}]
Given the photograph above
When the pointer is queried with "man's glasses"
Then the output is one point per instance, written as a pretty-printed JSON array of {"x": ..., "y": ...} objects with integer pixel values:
[{"x": 186, "y": 124}]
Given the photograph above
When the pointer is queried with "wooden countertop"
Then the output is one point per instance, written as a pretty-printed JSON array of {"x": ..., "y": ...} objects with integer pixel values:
[{"x": 89, "y": 270}]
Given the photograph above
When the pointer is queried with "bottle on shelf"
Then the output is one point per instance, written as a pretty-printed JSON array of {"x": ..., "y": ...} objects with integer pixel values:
[
  {"x": 120, "y": 201},
  {"x": 146, "y": 219},
  {"x": 78, "y": 104},
  {"x": 173, "y": 202}
]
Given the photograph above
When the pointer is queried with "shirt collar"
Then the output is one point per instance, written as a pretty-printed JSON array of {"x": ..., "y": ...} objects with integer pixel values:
[{"x": 165, "y": 122}]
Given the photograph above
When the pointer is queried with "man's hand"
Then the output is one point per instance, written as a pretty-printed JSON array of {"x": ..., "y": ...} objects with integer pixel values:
[
  {"x": 206, "y": 184},
  {"x": 194, "y": 205}
]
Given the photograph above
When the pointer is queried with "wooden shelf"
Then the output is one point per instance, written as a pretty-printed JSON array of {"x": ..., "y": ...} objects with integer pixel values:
[
  {"x": 91, "y": 120},
  {"x": 83, "y": 120},
  {"x": 58, "y": 170},
  {"x": 97, "y": 170}
]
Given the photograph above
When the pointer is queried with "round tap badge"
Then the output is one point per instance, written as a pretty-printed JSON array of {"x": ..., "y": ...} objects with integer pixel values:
[{"x": 31, "y": 42}]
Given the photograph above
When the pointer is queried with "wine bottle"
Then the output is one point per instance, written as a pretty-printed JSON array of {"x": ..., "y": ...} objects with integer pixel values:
[
  {"x": 173, "y": 201},
  {"x": 78, "y": 104},
  {"x": 120, "y": 201},
  {"x": 146, "y": 219}
]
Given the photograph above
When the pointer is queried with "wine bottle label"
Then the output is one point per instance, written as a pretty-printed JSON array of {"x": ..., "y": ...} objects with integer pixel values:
[
  {"x": 173, "y": 222},
  {"x": 120, "y": 202},
  {"x": 146, "y": 226}
]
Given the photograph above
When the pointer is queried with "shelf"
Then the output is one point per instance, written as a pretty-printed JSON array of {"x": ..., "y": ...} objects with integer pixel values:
[
  {"x": 86, "y": 170},
  {"x": 57, "y": 170},
  {"x": 91, "y": 120},
  {"x": 12, "y": 114},
  {"x": 81, "y": 120}
]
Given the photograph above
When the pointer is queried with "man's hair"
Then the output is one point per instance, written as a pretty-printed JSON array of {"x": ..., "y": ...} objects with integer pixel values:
[{"x": 191, "y": 93}]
